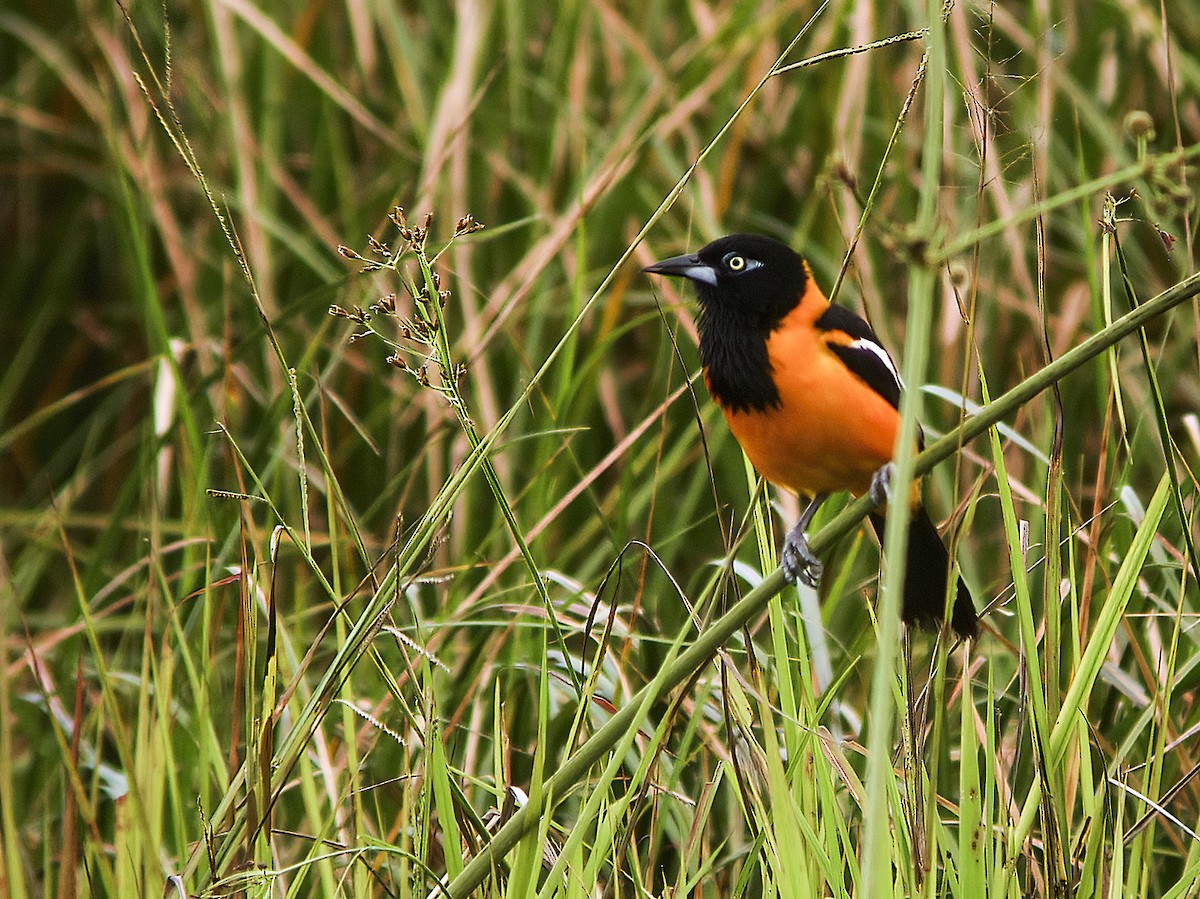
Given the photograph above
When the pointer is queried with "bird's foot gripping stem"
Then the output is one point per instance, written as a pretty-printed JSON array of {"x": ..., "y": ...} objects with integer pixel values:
[
  {"x": 798, "y": 561},
  {"x": 881, "y": 485}
]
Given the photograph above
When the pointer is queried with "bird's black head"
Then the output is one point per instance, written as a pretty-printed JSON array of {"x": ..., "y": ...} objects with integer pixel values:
[
  {"x": 746, "y": 284},
  {"x": 747, "y": 280}
]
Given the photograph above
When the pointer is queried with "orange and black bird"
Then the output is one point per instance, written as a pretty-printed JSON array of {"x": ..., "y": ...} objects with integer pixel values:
[{"x": 813, "y": 398}]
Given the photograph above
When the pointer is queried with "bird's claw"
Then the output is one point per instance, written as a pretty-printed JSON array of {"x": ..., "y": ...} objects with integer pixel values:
[
  {"x": 798, "y": 561},
  {"x": 881, "y": 485}
]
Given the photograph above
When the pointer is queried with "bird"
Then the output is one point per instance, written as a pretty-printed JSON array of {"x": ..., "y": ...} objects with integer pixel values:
[{"x": 813, "y": 398}]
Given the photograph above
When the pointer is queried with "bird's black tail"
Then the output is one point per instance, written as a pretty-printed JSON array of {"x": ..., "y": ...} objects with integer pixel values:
[{"x": 925, "y": 579}]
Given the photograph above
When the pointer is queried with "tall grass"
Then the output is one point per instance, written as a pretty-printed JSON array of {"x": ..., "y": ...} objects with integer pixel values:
[{"x": 466, "y": 586}]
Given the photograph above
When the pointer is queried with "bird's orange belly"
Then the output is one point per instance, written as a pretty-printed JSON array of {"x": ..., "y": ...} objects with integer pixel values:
[{"x": 829, "y": 433}]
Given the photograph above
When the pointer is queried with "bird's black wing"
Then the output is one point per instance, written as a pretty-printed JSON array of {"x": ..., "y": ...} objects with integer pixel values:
[{"x": 852, "y": 340}]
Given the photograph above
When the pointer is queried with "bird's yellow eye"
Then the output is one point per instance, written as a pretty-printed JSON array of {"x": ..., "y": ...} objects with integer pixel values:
[{"x": 735, "y": 262}]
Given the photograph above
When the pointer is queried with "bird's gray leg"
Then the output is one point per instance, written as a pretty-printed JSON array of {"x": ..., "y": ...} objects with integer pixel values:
[
  {"x": 881, "y": 485},
  {"x": 798, "y": 561}
]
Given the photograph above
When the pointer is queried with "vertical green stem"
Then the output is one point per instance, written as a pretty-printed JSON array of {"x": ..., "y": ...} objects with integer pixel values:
[{"x": 876, "y": 851}]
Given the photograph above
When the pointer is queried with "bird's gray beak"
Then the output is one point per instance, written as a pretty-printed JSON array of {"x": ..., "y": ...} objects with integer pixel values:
[{"x": 688, "y": 266}]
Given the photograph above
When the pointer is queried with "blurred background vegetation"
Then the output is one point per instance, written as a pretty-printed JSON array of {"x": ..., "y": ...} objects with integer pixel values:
[{"x": 189, "y": 692}]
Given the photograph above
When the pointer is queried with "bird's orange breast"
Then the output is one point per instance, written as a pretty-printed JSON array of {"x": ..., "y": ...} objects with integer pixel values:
[{"x": 830, "y": 431}]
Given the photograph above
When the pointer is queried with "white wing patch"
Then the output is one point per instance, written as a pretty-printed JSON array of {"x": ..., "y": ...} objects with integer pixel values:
[{"x": 871, "y": 346}]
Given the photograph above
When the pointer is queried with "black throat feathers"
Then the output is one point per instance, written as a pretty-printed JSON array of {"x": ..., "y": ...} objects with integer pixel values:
[{"x": 733, "y": 350}]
